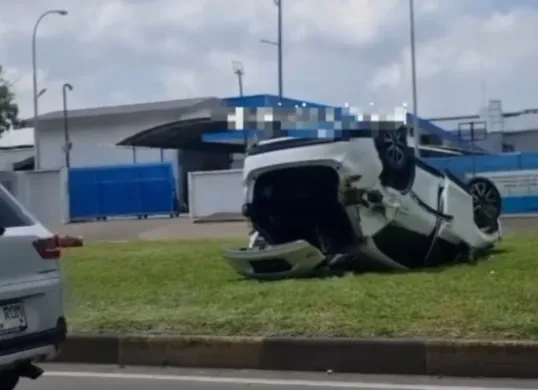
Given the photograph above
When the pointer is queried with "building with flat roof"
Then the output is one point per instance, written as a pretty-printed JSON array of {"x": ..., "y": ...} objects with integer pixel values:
[
  {"x": 186, "y": 133},
  {"x": 495, "y": 130}
]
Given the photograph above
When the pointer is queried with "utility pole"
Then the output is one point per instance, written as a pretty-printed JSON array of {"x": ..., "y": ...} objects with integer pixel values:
[
  {"x": 416, "y": 130},
  {"x": 35, "y": 94},
  {"x": 278, "y": 45},
  {"x": 67, "y": 142},
  {"x": 278, "y": 3},
  {"x": 239, "y": 71}
]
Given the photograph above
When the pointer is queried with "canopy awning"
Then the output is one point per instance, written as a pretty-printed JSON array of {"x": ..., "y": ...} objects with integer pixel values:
[
  {"x": 26, "y": 164},
  {"x": 187, "y": 132},
  {"x": 182, "y": 134}
]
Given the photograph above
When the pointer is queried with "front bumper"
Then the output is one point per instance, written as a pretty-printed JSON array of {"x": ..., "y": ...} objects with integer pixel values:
[{"x": 294, "y": 259}]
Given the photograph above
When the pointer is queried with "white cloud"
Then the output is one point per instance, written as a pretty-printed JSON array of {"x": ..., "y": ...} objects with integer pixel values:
[
  {"x": 496, "y": 47},
  {"x": 125, "y": 51},
  {"x": 180, "y": 83},
  {"x": 17, "y": 137},
  {"x": 388, "y": 76}
]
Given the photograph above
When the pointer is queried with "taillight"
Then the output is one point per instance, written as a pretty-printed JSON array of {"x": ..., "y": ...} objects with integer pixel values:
[{"x": 48, "y": 248}]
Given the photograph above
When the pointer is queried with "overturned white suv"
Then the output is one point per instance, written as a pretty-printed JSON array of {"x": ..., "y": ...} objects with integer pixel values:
[{"x": 360, "y": 198}]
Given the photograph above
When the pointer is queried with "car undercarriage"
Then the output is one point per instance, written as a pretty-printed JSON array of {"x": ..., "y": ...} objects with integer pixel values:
[{"x": 317, "y": 206}]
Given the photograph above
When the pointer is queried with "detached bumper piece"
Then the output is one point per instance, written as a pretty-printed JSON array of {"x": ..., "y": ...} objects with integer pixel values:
[{"x": 291, "y": 260}]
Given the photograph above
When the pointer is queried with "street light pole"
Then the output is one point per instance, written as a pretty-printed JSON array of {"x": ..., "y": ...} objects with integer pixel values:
[
  {"x": 416, "y": 130},
  {"x": 278, "y": 3},
  {"x": 240, "y": 72},
  {"x": 35, "y": 91},
  {"x": 278, "y": 44},
  {"x": 67, "y": 143}
]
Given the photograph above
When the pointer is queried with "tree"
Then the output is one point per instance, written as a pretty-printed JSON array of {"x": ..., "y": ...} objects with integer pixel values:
[{"x": 9, "y": 111}]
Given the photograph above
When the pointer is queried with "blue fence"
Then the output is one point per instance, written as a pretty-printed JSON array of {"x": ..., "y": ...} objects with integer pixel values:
[
  {"x": 486, "y": 163},
  {"x": 122, "y": 190},
  {"x": 519, "y": 190}
]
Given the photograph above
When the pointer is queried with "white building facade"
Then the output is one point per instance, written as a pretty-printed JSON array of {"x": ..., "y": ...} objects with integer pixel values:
[
  {"x": 94, "y": 139},
  {"x": 94, "y": 134},
  {"x": 498, "y": 131}
]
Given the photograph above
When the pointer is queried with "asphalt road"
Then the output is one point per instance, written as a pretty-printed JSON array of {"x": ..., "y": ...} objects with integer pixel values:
[{"x": 69, "y": 377}]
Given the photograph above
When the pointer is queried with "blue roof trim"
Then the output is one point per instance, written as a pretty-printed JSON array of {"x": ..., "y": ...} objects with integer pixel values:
[
  {"x": 269, "y": 101},
  {"x": 229, "y": 135},
  {"x": 255, "y": 101}
]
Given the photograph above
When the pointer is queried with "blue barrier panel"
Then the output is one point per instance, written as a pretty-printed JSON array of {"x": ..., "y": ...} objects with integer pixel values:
[
  {"x": 520, "y": 204},
  {"x": 519, "y": 189},
  {"x": 122, "y": 190},
  {"x": 496, "y": 163},
  {"x": 529, "y": 160}
]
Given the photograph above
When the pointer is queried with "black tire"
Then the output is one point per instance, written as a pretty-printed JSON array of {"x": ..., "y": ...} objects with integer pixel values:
[
  {"x": 397, "y": 158},
  {"x": 8, "y": 380},
  {"x": 487, "y": 203}
]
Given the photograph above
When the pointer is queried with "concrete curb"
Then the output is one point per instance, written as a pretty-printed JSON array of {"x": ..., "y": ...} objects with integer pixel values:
[{"x": 367, "y": 356}]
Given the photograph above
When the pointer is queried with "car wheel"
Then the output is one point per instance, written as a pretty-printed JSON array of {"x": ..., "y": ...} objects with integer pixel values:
[
  {"x": 8, "y": 381},
  {"x": 487, "y": 203},
  {"x": 398, "y": 162}
]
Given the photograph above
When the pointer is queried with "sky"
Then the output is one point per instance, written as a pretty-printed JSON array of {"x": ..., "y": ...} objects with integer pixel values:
[{"x": 335, "y": 52}]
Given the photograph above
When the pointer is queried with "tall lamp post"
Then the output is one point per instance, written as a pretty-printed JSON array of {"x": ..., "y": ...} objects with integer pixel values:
[
  {"x": 278, "y": 3},
  {"x": 67, "y": 142},
  {"x": 416, "y": 130},
  {"x": 239, "y": 71},
  {"x": 278, "y": 44},
  {"x": 35, "y": 91}
]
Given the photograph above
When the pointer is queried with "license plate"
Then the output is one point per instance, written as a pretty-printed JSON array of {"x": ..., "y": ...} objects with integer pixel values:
[{"x": 12, "y": 318}]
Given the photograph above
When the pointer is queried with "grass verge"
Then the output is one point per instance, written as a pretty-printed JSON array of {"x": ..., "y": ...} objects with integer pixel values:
[{"x": 184, "y": 287}]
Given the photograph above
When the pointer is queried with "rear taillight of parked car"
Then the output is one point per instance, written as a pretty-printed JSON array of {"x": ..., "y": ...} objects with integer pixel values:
[{"x": 48, "y": 248}]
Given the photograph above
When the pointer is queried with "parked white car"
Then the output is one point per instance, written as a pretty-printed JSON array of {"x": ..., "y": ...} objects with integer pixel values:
[
  {"x": 317, "y": 204},
  {"x": 32, "y": 319}
]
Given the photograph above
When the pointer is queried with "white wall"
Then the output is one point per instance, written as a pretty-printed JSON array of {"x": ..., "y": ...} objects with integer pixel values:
[
  {"x": 492, "y": 143},
  {"x": 10, "y": 156},
  {"x": 214, "y": 192},
  {"x": 43, "y": 193},
  {"x": 524, "y": 141},
  {"x": 94, "y": 141}
]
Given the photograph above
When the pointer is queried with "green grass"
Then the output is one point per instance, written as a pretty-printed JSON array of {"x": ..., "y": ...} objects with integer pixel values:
[{"x": 186, "y": 288}]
